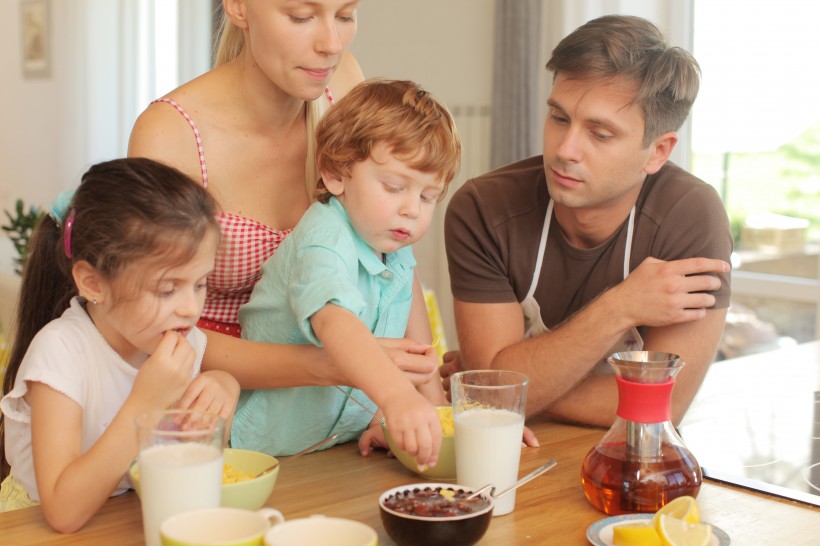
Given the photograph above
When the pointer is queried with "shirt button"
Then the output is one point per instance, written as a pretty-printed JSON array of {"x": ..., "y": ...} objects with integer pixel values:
[{"x": 387, "y": 275}]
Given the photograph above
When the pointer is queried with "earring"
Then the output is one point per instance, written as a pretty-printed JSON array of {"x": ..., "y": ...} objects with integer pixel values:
[{"x": 94, "y": 301}]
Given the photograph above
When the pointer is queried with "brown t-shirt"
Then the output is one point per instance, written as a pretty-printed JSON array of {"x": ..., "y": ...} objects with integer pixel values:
[{"x": 493, "y": 226}]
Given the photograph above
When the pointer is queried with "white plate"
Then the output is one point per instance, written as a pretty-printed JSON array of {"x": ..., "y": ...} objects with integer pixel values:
[{"x": 600, "y": 532}]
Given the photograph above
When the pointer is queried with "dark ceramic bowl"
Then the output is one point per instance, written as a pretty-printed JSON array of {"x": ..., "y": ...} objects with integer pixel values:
[{"x": 413, "y": 530}]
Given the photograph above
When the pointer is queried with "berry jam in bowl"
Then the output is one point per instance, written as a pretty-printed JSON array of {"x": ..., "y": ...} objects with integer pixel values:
[{"x": 434, "y": 514}]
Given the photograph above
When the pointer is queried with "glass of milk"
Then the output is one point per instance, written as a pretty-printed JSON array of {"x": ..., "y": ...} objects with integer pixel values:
[
  {"x": 488, "y": 413},
  {"x": 180, "y": 465}
]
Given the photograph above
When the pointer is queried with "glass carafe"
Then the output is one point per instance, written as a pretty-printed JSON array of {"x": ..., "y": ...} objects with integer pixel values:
[{"x": 640, "y": 464}]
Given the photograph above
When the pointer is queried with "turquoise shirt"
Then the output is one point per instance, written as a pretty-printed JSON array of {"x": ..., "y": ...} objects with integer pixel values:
[{"x": 322, "y": 261}]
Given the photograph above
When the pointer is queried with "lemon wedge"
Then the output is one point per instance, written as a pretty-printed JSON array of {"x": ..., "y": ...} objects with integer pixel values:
[
  {"x": 676, "y": 532},
  {"x": 684, "y": 508},
  {"x": 635, "y": 534},
  {"x": 448, "y": 494}
]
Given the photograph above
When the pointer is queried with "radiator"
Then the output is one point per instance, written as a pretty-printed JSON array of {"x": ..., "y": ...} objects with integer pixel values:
[{"x": 473, "y": 123}]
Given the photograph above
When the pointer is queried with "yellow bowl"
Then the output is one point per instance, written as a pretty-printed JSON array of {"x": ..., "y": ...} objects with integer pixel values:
[
  {"x": 445, "y": 468},
  {"x": 249, "y": 494}
]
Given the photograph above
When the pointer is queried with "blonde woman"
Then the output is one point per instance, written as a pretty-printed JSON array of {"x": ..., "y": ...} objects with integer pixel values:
[{"x": 243, "y": 130}]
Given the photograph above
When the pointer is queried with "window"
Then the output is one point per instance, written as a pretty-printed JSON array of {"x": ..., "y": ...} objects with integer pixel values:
[{"x": 756, "y": 137}]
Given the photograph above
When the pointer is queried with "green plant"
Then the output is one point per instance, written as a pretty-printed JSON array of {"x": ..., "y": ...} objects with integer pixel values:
[{"x": 19, "y": 229}]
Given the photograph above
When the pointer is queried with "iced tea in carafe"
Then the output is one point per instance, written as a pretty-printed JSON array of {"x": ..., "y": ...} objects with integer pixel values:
[{"x": 641, "y": 463}]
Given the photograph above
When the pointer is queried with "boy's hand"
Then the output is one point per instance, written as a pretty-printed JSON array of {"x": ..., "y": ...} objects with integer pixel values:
[
  {"x": 529, "y": 439},
  {"x": 414, "y": 425},
  {"x": 373, "y": 437}
]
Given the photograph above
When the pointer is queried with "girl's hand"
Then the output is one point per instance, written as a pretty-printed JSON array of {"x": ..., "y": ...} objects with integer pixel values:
[
  {"x": 211, "y": 392},
  {"x": 165, "y": 375}
]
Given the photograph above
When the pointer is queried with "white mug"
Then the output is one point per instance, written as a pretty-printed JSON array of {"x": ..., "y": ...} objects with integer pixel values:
[{"x": 321, "y": 530}]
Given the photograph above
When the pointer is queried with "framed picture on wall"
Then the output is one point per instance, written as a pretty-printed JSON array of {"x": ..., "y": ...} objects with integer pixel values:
[{"x": 36, "y": 33}]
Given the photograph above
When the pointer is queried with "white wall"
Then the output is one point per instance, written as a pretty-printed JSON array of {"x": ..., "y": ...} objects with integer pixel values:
[
  {"x": 31, "y": 119},
  {"x": 447, "y": 47},
  {"x": 54, "y": 128},
  {"x": 45, "y": 143}
]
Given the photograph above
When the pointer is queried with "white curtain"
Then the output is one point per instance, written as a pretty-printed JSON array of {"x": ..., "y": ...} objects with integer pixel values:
[{"x": 136, "y": 51}]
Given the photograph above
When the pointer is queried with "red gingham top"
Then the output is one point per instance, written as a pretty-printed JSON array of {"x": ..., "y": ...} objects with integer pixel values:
[{"x": 246, "y": 244}]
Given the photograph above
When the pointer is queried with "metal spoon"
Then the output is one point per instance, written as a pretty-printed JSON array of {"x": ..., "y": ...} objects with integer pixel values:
[
  {"x": 534, "y": 474},
  {"x": 303, "y": 452},
  {"x": 368, "y": 410}
]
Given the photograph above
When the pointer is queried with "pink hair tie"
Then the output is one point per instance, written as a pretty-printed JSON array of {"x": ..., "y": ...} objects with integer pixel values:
[{"x": 69, "y": 223}]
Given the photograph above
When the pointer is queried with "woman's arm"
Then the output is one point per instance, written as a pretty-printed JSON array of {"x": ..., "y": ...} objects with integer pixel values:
[
  {"x": 258, "y": 365},
  {"x": 162, "y": 134}
]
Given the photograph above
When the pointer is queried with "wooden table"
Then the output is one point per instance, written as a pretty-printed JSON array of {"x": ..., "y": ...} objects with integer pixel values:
[{"x": 550, "y": 510}]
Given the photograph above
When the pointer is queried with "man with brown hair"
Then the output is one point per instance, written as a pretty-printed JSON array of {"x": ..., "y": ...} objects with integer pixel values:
[{"x": 601, "y": 244}]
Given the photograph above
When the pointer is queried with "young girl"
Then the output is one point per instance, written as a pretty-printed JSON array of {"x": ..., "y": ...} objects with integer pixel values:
[{"x": 110, "y": 296}]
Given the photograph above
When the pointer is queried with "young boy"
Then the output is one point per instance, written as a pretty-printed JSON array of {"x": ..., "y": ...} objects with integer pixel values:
[{"x": 344, "y": 277}]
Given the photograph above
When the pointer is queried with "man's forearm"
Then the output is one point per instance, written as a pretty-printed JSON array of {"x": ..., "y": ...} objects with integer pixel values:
[{"x": 559, "y": 360}]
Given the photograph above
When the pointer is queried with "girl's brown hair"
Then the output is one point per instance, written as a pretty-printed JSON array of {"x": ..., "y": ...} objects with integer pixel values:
[
  {"x": 124, "y": 211},
  {"x": 416, "y": 128}
]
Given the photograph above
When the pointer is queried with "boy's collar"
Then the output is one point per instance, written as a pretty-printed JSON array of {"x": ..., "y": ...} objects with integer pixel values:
[{"x": 367, "y": 256}]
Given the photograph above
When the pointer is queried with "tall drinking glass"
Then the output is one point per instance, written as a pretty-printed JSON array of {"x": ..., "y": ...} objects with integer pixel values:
[
  {"x": 488, "y": 413},
  {"x": 180, "y": 465}
]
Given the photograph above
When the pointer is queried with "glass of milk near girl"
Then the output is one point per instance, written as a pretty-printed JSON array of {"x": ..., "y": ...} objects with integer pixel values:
[
  {"x": 488, "y": 413},
  {"x": 180, "y": 465}
]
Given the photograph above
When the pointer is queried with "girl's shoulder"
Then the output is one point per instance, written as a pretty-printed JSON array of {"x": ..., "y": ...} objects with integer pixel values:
[
  {"x": 57, "y": 356},
  {"x": 67, "y": 334}
]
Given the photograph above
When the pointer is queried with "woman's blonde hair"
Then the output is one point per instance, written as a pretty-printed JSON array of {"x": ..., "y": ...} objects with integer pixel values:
[{"x": 230, "y": 44}]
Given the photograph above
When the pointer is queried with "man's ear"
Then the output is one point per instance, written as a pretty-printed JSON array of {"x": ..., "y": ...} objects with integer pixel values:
[
  {"x": 90, "y": 283},
  {"x": 235, "y": 10},
  {"x": 660, "y": 149},
  {"x": 333, "y": 182}
]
